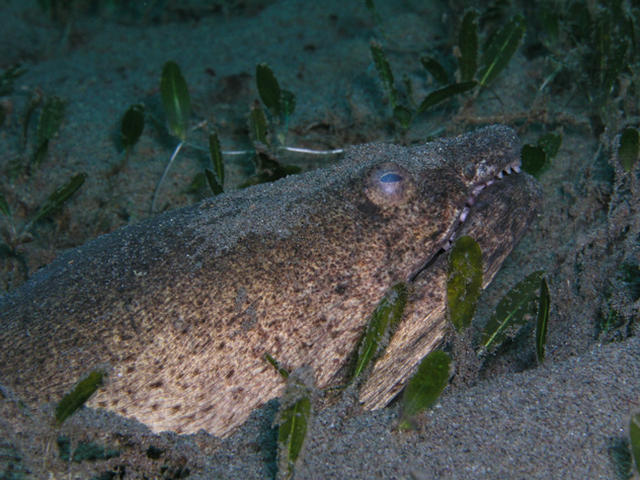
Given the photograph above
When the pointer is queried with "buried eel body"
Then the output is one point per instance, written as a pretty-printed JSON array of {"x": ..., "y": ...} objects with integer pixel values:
[{"x": 179, "y": 310}]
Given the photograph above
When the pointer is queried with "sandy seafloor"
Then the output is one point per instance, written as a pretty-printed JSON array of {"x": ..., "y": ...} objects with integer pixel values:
[{"x": 559, "y": 420}]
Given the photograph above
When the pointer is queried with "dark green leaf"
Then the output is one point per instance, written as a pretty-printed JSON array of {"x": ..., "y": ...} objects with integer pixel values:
[
  {"x": 543, "y": 318},
  {"x": 40, "y": 152},
  {"x": 58, "y": 197},
  {"x": 216, "y": 157},
  {"x": 212, "y": 181},
  {"x": 370, "y": 5},
  {"x": 628, "y": 149},
  {"x": 7, "y": 77},
  {"x": 35, "y": 100},
  {"x": 293, "y": 420},
  {"x": 175, "y": 99},
  {"x": 258, "y": 125},
  {"x": 533, "y": 159},
  {"x": 468, "y": 44},
  {"x": 197, "y": 183},
  {"x": 424, "y": 388},
  {"x": 581, "y": 22},
  {"x": 550, "y": 143},
  {"x": 537, "y": 158},
  {"x": 403, "y": 116},
  {"x": 436, "y": 70},
  {"x": 616, "y": 62},
  {"x": 515, "y": 309},
  {"x": 293, "y": 431},
  {"x": 132, "y": 125},
  {"x": 444, "y": 93},
  {"x": 408, "y": 86},
  {"x": 287, "y": 102},
  {"x": 6, "y": 251},
  {"x": 634, "y": 439},
  {"x": 501, "y": 48},
  {"x": 268, "y": 88},
  {"x": 80, "y": 394},
  {"x": 4, "y": 206},
  {"x": 372, "y": 8},
  {"x": 550, "y": 19},
  {"x": 464, "y": 281},
  {"x": 384, "y": 72},
  {"x": 380, "y": 327},
  {"x": 630, "y": 273},
  {"x": 284, "y": 373},
  {"x": 48, "y": 125}
]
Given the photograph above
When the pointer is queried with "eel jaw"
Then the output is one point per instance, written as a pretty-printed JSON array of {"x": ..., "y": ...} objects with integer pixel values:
[
  {"x": 453, "y": 233},
  {"x": 510, "y": 169},
  {"x": 497, "y": 220}
]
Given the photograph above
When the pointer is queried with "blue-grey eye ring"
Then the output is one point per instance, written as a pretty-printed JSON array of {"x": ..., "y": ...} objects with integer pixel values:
[{"x": 389, "y": 184}]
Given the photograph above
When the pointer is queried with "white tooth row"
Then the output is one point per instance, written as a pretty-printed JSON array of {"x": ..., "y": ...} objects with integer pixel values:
[
  {"x": 508, "y": 170},
  {"x": 474, "y": 193},
  {"x": 472, "y": 198}
]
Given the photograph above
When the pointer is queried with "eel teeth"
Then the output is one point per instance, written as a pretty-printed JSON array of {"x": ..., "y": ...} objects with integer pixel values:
[{"x": 475, "y": 191}]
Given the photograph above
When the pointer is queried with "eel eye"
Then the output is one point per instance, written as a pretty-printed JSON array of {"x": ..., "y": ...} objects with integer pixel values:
[{"x": 389, "y": 184}]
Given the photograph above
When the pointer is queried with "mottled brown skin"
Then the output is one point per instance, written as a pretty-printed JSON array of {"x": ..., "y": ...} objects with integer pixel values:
[
  {"x": 180, "y": 309},
  {"x": 498, "y": 219}
]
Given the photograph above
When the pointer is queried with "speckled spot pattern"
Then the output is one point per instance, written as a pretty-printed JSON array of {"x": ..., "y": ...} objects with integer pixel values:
[{"x": 180, "y": 309}]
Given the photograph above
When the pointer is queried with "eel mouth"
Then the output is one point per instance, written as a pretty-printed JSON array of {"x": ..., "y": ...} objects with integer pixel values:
[
  {"x": 510, "y": 169},
  {"x": 475, "y": 191}
]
